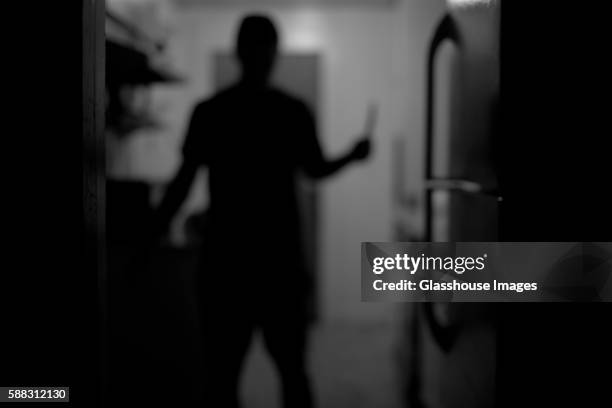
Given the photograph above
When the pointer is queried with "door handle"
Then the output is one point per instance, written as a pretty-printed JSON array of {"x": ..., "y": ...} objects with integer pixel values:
[
  {"x": 446, "y": 30},
  {"x": 465, "y": 186}
]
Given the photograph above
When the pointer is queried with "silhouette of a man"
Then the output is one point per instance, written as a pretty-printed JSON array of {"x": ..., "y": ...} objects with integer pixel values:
[{"x": 253, "y": 139}]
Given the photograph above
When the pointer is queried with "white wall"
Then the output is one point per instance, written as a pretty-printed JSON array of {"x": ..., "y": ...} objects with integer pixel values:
[{"x": 368, "y": 54}]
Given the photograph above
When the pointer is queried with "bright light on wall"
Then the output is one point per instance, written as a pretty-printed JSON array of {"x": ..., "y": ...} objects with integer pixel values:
[
  {"x": 468, "y": 3},
  {"x": 304, "y": 31}
]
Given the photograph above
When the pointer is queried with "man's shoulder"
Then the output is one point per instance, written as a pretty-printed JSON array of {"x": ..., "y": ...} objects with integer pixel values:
[
  {"x": 227, "y": 95},
  {"x": 292, "y": 103},
  {"x": 216, "y": 99},
  {"x": 288, "y": 98}
]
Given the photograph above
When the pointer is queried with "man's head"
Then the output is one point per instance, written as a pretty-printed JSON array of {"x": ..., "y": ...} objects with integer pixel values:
[{"x": 256, "y": 48}]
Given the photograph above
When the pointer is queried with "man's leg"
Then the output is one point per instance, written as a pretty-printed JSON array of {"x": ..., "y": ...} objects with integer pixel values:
[
  {"x": 227, "y": 337},
  {"x": 286, "y": 344}
]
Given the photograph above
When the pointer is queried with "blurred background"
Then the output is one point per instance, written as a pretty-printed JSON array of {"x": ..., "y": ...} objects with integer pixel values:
[{"x": 432, "y": 69}]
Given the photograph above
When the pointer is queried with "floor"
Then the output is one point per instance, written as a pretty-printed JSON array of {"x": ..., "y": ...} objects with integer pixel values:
[{"x": 351, "y": 366}]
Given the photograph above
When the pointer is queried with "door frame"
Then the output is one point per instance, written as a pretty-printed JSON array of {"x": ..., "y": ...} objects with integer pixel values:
[{"x": 93, "y": 171}]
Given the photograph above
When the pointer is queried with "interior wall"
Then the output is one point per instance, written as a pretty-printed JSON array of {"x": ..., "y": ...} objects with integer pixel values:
[{"x": 368, "y": 54}]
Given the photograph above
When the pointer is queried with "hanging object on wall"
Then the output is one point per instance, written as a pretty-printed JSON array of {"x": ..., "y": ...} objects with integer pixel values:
[
  {"x": 129, "y": 77},
  {"x": 136, "y": 60}
]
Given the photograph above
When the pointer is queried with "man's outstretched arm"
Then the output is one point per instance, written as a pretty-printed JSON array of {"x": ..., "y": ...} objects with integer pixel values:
[
  {"x": 317, "y": 166},
  {"x": 175, "y": 195},
  {"x": 312, "y": 159}
]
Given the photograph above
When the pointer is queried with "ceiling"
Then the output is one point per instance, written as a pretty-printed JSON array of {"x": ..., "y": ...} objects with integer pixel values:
[{"x": 372, "y": 3}]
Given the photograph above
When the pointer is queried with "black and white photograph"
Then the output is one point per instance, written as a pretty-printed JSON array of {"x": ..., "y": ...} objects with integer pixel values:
[{"x": 308, "y": 204}]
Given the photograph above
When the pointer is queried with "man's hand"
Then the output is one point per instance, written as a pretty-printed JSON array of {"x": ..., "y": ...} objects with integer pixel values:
[
  {"x": 158, "y": 231},
  {"x": 362, "y": 149}
]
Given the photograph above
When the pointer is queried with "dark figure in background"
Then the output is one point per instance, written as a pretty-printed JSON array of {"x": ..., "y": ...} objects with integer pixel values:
[{"x": 253, "y": 138}]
